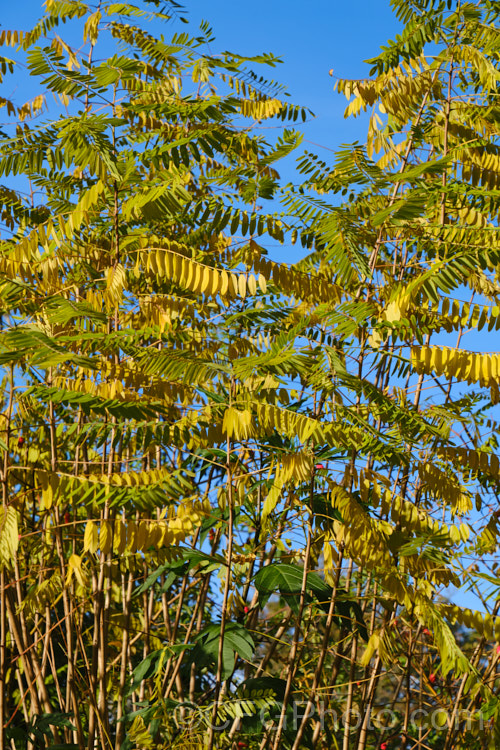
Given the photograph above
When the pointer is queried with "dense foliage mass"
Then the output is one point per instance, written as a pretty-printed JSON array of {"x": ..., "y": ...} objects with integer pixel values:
[{"x": 235, "y": 492}]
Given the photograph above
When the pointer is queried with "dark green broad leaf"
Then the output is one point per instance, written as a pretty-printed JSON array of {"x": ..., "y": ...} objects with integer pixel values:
[
  {"x": 286, "y": 579},
  {"x": 358, "y": 621},
  {"x": 279, "y": 577},
  {"x": 45, "y": 721},
  {"x": 146, "y": 669},
  {"x": 235, "y": 635},
  {"x": 153, "y": 662},
  {"x": 349, "y": 614},
  {"x": 41, "y": 725},
  {"x": 237, "y": 640},
  {"x": 257, "y": 687}
]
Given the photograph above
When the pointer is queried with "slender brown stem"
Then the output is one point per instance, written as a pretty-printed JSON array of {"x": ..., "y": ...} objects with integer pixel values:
[
  {"x": 3, "y": 581},
  {"x": 225, "y": 599},
  {"x": 322, "y": 654},
  {"x": 291, "y": 665}
]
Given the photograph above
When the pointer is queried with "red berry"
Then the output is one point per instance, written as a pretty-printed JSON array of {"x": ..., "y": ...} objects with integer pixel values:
[
  {"x": 67, "y": 517},
  {"x": 432, "y": 678},
  {"x": 211, "y": 535},
  {"x": 20, "y": 442},
  {"x": 246, "y": 610},
  {"x": 498, "y": 648},
  {"x": 319, "y": 466},
  {"x": 383, "y": 746},
  {"x": 426, "y": 631}
]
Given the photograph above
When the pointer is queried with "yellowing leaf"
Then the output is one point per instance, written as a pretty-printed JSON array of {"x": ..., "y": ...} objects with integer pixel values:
[
  {"x": 90, "y": 30},
  {"x": 242, "y": 285},
  {"x": 120, "y": 537},
  {"x": 206, "y": 279},
  {"x": 224, "y": 283},
  {"x": 229, "y": 420},
  {"x": 9, "y": 535},
  {"x": 393, "y": 312},
  {"x": 272, "y": 498},
  {"x": 252, "y": 284},
  {"x": 75, "y": 568},
  {"x": 371, "y": 647},
  {"x": 375, "y": 339},
  {"x": 90, "y": 540},
  {"x": 142, "y": 535},
  {"x": 105, "y": 537}
]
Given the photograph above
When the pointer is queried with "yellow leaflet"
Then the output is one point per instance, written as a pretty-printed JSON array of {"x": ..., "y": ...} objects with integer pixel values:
[
  {"x": 252, "y": 284},
  {"x": 444, "y": 486},
  {"x": 396, "y": 309},
  {"x": 199, "y": 278},
  {"x": 455, "y": 363},
  {"x": 242, "y": 285},
  {"x": 142, "y": 535},
  {"x": 375, "y": 339},
  {"x": 105, "y": 536},
  {"x": 120, "y": 537},
  {"x": 90, "y": 540},
  {"x": 260, "y": 110},
  {"x": 206, "y": 280},
  {"x": 9, "y": 535},
  {"x": 330, "y": 558},
  {"x": 483, "y": 623},
  {"x": 371, "y": 647},
  {"x": 75, "y": 568},
  {"x": 272, "y": 499},
  {"x": 131, "y": 536},
  {"x": 224, "y": 283},
  {"x": 90, "y": 30},
  {"x": 47, "y": 497},
  {"x": 237, "y": 423}
]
